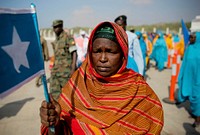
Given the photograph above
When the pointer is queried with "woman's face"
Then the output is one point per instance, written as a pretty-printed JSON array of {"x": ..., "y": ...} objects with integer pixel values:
[
  {"x": 192, "y": 38},
  {"x": 107, "y": 57}
]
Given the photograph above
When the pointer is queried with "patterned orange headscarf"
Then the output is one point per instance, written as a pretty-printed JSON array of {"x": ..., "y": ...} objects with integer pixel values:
[
  {"x": 125, "y": 104},
  {"x": 123, "y": 42}
]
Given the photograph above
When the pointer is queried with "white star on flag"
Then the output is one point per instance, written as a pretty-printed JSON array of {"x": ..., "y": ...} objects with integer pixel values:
[{"x": 20, "y": 57}]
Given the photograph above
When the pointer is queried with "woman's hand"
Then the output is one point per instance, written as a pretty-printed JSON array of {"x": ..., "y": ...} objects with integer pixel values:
[{"x": 50, "y": 112}]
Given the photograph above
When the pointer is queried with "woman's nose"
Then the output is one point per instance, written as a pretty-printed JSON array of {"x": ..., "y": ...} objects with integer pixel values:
[{"x": 103, "y": 57}]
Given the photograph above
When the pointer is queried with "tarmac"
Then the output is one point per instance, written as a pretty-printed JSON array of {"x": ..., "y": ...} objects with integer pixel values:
[{"x": 19, "y": 111}]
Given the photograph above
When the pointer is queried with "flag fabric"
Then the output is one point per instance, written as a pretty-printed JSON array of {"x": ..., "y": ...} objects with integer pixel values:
[
  {"x": 20, "y": 50},
  {"x": 185, "y": 33}
]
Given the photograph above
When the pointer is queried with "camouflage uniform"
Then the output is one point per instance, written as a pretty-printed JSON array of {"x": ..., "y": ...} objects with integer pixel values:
[
  {"x": 63, "y": 46},
  {"x": 45, "y": 53}
]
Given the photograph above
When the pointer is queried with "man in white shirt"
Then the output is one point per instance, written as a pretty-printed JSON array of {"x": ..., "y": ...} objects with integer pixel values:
[{"x": 81, "y": 45}]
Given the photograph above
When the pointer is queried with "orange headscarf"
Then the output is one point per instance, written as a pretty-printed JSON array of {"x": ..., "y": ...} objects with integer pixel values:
[{"x": 123, "y": 42}]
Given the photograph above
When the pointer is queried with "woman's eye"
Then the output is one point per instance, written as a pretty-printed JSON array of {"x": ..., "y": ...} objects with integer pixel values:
[
  {"x": 112, "y": 51},
  {"x": 96, "y": 50}
]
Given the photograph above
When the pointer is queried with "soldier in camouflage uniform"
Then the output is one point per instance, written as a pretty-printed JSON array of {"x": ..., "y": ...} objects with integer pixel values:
[
  {"x": 45, "y": 53},
  {"x": 65, "y": 59}
]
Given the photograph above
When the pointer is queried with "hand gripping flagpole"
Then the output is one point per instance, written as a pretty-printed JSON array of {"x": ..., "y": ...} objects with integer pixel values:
[{"x": 46, "y": 94}]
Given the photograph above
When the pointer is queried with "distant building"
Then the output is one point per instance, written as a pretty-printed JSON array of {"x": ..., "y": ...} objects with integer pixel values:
[{"x": 195, "y": 24}]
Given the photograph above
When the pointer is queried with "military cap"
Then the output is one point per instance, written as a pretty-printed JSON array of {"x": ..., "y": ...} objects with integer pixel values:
[
  {"x": 121, "y": 17},
  {"x": 57, "y": 22}
]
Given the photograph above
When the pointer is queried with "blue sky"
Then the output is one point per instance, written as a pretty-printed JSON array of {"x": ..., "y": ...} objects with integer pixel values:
[{"x": 88, "y": 13}]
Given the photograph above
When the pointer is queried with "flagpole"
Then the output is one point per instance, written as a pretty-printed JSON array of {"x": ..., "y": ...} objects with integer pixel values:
[{"x": 46, "y": 94}]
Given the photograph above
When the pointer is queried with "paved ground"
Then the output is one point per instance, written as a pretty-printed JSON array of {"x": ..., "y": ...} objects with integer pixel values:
[{"x": 19, "y": 112}]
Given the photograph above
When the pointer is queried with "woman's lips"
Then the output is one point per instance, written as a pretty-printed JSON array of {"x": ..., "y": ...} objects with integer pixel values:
[{"x": 103, "y": 69}]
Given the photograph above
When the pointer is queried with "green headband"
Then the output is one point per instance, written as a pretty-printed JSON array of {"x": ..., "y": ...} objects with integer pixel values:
[{"x": 105, "y": 32}]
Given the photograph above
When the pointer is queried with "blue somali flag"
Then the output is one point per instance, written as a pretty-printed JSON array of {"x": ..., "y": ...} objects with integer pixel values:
[
  {"x": 20, "y": 50},
  {"x": 185, "y": 33}
]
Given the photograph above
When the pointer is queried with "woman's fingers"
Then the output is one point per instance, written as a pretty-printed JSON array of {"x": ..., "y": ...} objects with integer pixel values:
[
  {"x": 45, "y": 123},
  {"x": 48, "y": 116},
  {"x": 50, "y": 112}
]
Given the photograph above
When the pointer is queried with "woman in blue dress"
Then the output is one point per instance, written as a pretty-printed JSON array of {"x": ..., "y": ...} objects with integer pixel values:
[{"x": 189, "y": 78}]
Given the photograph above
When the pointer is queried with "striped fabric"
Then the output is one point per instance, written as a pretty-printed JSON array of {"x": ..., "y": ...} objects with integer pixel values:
[{"x": 122, "y": 104}]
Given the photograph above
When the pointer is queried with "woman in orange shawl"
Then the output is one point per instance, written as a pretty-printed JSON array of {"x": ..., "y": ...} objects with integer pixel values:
[{"x": 104, "y": 97}]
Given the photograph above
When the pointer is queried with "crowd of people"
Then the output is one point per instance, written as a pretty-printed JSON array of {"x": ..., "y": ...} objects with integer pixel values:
[{"x": 98, "y": 86}]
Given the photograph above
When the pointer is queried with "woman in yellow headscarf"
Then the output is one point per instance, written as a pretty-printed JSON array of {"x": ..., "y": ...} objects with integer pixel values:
[{"x": 149, "y": 48}]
